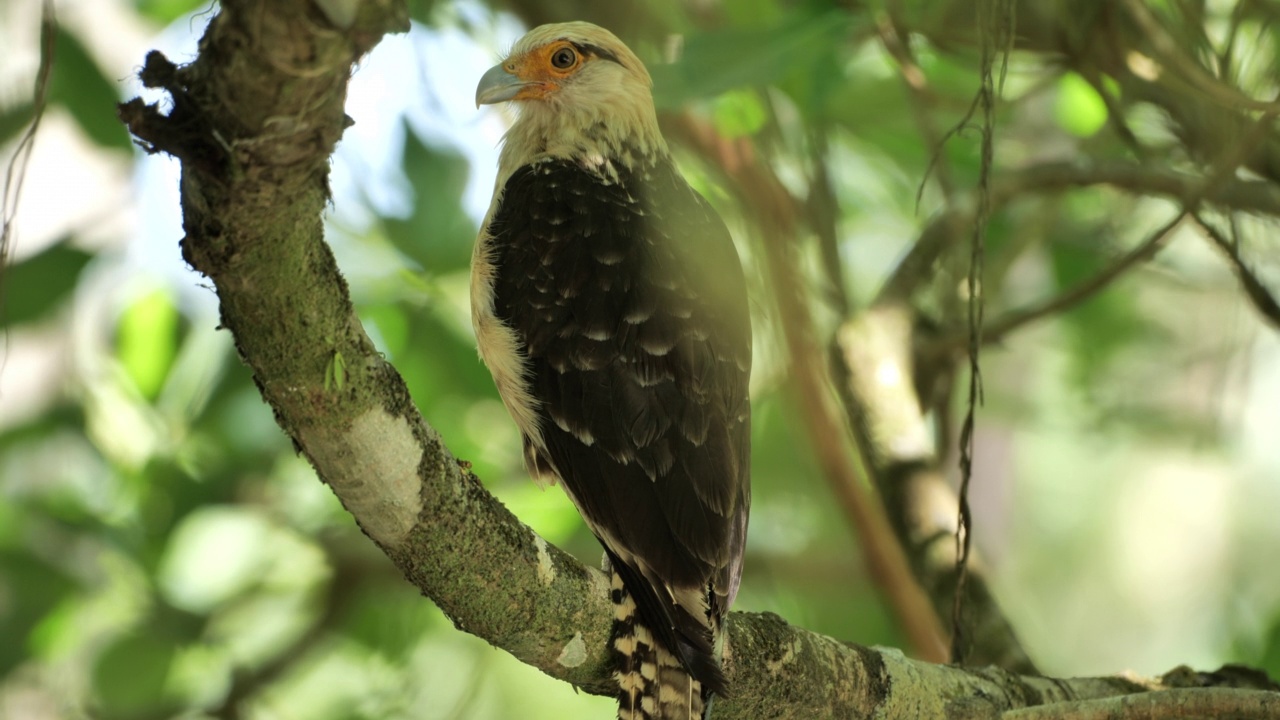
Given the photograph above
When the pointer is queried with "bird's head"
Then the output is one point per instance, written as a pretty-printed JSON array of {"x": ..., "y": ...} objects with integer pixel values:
[{"x": 579, "y": 90}]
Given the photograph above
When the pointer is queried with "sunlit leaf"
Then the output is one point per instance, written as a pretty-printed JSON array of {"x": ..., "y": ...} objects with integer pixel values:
[
  {"x": 738, "y": 113},
  {"x": 166, "y": 11},
  {"x": 390, "y": 327},
  {"x": 146, "y": 340},
  {"x": 200, "y": 674},
  {"x": 258, "y": 627},
  {"x": 1079, "y": 108},
  {"x": 54, "y": 627},
  {"x": 213, "y": 554}
]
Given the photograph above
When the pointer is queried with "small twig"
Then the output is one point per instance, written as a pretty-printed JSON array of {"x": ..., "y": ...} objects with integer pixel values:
[
  {"x": 1231, "y": 192},
  {"x": 1219, "y": 175},
  {"x": 999, "y": 328},
  {"x": 915, "y": 268},
  {"x": 1162, "y": 705},
  {"x": 921, "y": 99},
  {"x": 1117, "y": 118},
  {"x": 823, "y": 213},
  {"x": 1195, "y": 75},
  {"x": 1262, "y": 298},
  {"x": 16, "y": 172}
]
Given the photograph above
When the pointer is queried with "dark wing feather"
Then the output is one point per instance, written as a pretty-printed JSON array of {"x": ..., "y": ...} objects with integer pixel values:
[{"x": 629, "y": 299}]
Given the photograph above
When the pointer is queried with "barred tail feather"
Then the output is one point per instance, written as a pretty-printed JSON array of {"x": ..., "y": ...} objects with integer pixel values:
[{"x": 652, "y": 683}]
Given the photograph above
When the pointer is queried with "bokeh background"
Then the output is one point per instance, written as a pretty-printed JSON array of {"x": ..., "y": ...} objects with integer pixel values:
[{"x": 164, "y": 553}]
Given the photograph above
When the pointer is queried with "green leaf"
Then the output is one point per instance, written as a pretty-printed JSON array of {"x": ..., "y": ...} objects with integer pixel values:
[
  {"x": 715, "y": 62},
  {"x": 129, "y": 677},
  {"x": 1270, "y": 660},
  {"x": 147, "y": 341},
  {"x": 438, "y": 235},
  {"x": 79, "y": 85},
  {"x": 166, "y": 11},
  {"x": 1106, "y": 323},
  {"x": 387, "y": 617},
  {"x": 390, "y": 327},
  {"x": 214, "y": 554},
  {"x": 37, "y": 285},
  {"x": 738, "y": 113},
  {"x": 1079, "y": 109},
  {"x": 32, "y": 587},
  {"x": 755, "y": 13},
  {"x": 14, "y": 120}
]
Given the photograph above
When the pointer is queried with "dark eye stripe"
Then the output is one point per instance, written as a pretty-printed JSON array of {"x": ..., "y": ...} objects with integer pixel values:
[{"x": 596, "y": 51}]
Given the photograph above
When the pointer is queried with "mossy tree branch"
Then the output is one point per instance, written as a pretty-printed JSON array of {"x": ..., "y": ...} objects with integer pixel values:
[{"x": 254, "y": 120}]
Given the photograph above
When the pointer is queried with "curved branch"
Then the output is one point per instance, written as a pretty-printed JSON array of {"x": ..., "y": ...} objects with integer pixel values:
[
  {"x": 1259, "y": 295},
  {"x": 999, "y": 328},
  {"x": 254, "y": 120},
  {"x": 1104, "y": 38},
  {"x": 1171, "y": 704},
  {"x": 886, "y": 413},
  {"x": 779, "y": 216},
  {"x": 1218, "y": 176},
  {"x": 915, "y": 269}
]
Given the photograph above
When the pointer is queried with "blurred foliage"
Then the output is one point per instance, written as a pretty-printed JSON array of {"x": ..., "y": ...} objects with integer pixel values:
[
  {"x": 79, "y": 85},
  {"x": 164, "y": 552},
  {"x": 39, "y": 284}
]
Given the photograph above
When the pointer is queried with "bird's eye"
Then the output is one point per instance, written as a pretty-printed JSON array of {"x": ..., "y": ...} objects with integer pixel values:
[{"x": 564, "y": 58}]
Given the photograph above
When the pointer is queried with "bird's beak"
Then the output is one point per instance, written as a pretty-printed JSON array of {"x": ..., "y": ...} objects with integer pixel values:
[{"x": 497, "y": 85}]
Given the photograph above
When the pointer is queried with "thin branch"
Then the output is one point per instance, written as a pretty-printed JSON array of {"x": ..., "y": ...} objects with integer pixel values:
[
  {"x": 916, "y": 267},
  {"x": 1094, "y": 45},
  {"x": 1169, "y": 50},
  {"x": 921, "y": 99},
  {"x": 16, "y": 172},
  {"x": 1002, "y": 326},
  {"x": 889, "y": 424},
  {"x": 1101, "y": 42},
  {"x": 1168, "y": 705},
  {"x": 824, "y": 213},
  {"x": 1231, "y": 192},
  {"x": 1218, "y": 176},
  {"x": 1263, "y": 300},
  {"x": 778, "y": 214}
]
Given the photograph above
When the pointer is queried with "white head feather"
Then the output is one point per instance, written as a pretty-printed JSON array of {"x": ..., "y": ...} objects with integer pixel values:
[{"x": 600, "y": 113}]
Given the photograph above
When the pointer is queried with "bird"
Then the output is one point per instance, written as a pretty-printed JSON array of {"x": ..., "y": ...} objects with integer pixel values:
[{"x": 610, "y": 306}]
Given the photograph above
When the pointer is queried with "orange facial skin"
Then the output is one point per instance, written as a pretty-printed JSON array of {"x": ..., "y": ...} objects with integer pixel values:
[{"x": 539, "y": 70}]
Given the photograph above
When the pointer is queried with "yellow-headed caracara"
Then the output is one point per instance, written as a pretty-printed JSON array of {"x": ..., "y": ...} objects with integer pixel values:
[{"x": 609, "y": 305}]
